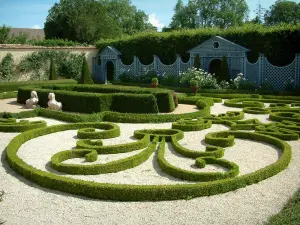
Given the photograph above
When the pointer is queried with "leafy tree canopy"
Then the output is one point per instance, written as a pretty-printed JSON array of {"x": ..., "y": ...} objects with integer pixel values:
[
  {"x": 86, "y": 21},
  {"x": 283, "y": 12},
  {"x": 209, "y": 13}
]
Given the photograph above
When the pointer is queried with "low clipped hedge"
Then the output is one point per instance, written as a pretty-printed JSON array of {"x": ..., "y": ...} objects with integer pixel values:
[
  {"x": 113, "y": 149},
  {"x": 14, "y": 86},
  {"x": 110, "y": 167},
  {"x": 168, "y": 168},
  {"x": 211, "y": 151},
  {"x": 229, "y": 115},
  {"x": 167, "y": 134},
  {"x": 249, "y": 102},
  {"x": 11, "y": 125},
  {"x": 109, "y": 131},
  {"x": 85, "y": 102},
  {"x": 191, "y": 125},
  {"x": 124, "y": 192},
  {"x": 222, "y": 139},
  {"x": 256, "y": 110},
  {"x": 281, "y": 116}
]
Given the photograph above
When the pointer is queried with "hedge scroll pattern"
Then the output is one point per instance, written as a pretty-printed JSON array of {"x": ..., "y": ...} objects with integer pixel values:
[{"x": 209, "y": 183}]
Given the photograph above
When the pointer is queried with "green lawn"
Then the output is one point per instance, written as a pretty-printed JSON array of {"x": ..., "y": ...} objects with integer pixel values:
[{"x": 290, "y": 214}]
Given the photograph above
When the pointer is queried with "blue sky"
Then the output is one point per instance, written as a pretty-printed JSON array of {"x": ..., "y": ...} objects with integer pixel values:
[{"x": 32, "y": 13}]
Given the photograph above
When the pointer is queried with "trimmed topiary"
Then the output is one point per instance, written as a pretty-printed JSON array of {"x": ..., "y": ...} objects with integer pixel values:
[
  {"x": 85, "y": 74},
  {"x": 52, "y": 75}
]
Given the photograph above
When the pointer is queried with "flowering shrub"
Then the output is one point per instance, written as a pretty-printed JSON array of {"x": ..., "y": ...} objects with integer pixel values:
[
  {"x": 205, "y": 80},
  {"x": 224, "y": 84},
  {"x": 241, "y": 83}
]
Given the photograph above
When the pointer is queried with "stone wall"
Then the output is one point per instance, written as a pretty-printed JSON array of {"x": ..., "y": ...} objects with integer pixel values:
[{"x": 19, "y": 51}]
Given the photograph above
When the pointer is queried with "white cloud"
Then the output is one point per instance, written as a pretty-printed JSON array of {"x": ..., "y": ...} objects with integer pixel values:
[
  {"x": 155, "y": 22},
  {"x": 36, "y": 27}
]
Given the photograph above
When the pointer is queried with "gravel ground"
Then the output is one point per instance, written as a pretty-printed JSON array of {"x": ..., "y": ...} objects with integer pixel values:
[{"x": 26, "y": 203}]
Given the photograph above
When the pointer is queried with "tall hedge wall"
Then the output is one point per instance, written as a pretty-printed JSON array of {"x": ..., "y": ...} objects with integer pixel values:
[{"x": 279, "y": 43}]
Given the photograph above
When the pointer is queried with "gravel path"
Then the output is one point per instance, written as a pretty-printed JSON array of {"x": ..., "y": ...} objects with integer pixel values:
[{"x": 26, "y": 203}]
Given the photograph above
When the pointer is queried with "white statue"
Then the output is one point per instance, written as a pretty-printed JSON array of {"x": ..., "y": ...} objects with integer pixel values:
[
  {"x": 52, "y": 103},
  {"x": 32, "y": 102}
]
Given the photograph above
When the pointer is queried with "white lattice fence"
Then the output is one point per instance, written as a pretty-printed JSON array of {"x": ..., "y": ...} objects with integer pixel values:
[
  {"x": 126, "y": 69},
  {"x": 252, "y": 72},
  {"x": 184, "y": 66},
  {"x": 144, "y": 69},
  {"x": 279, "y": 77},
  {"x": 167, "y": 69},
  {"x": 236, "y": 67}
]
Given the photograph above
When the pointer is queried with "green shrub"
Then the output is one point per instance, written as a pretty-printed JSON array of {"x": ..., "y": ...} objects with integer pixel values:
[
  {"x": 7, "y": 68},
  {"x": 225, "y": 75},
  {"x": 85, "y": 77},
  {"x": 52, "y": 71}
]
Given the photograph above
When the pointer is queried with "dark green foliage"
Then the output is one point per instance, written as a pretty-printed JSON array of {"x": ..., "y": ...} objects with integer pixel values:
[
  {"x": 68, "y": 65},
  {"x": 14, "y": 86},
  {"x": 164, "y": 98},
  {"x": 197, "y": 63},
  {"x": 142, "y": 103},
  {"x": 224, "y": 73},
  {"x": 7, "y": 68},
  {"x": 52, "y": 71},
  {"x": 85, "y": 74},
  {"x": 4, "y": 31},
  {"x": 86, "y": 102},
  {"x": 279, "y": 43}
]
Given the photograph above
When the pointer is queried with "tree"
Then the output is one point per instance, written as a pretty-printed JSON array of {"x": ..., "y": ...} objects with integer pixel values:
[
  {"x": 283, "y": 12},
  {"x": 87, "y": 21},
  {"x": 85, "y": 74},
  {"x": 4, "y": 31},
  {"x": 52, "y": 71},
  {"x": 128, "y": 18},
  {"x": 197, "y": 62},
  {"x": 224, "y": 73},
  {"x": 209, "y": 13}
]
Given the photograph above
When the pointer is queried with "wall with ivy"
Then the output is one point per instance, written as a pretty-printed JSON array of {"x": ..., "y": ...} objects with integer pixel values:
[{"x": 32, "y": 62}]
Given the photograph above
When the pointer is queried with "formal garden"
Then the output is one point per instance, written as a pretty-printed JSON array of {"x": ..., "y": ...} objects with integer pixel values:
[
  {"x": 181, "y": 127},
  {"x": 152, "y": 145}
]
